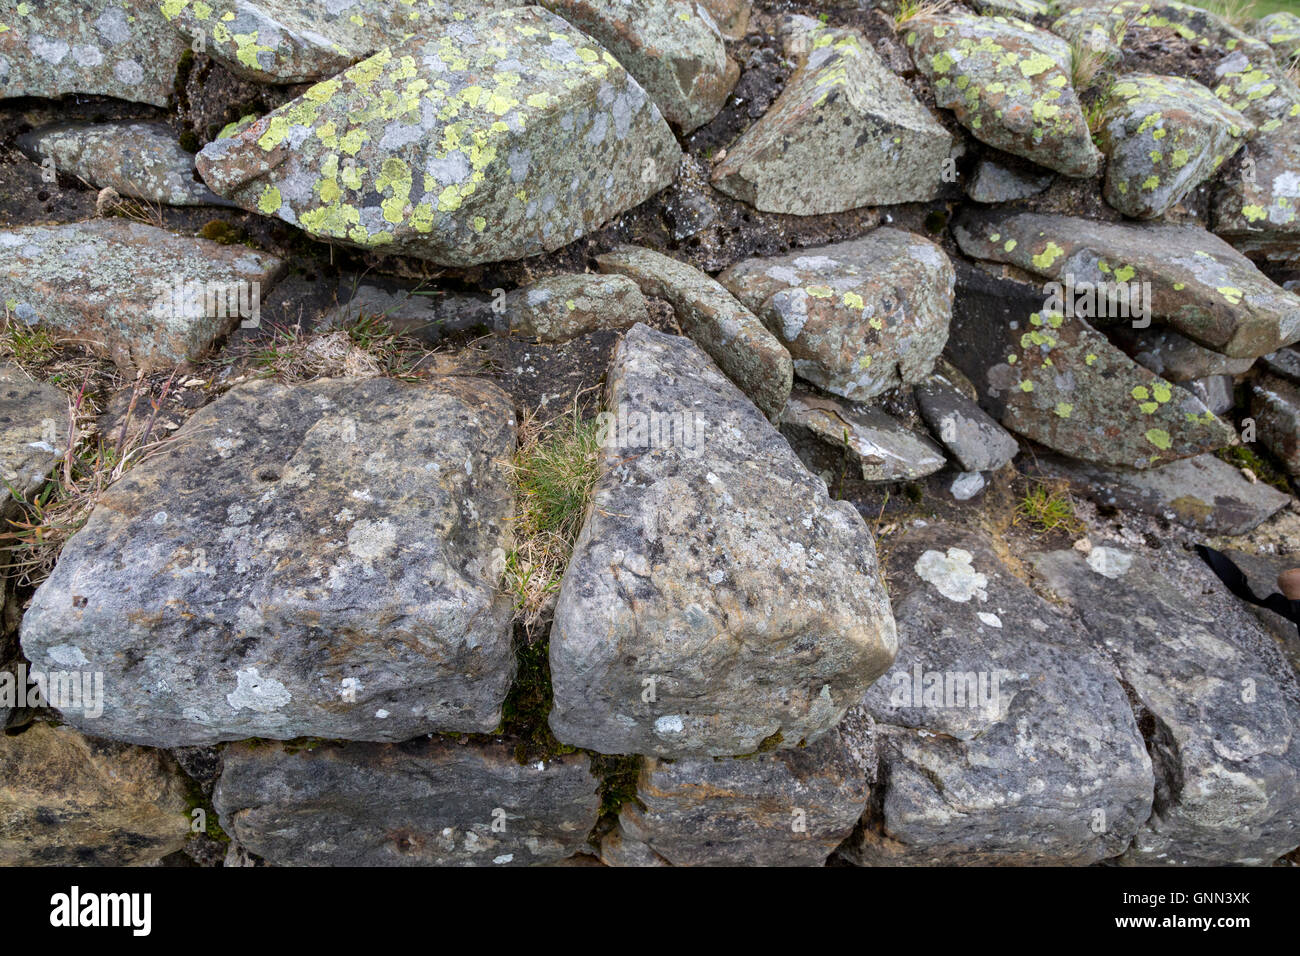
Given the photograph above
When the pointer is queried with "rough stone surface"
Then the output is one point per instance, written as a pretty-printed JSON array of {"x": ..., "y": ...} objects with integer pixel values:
[
  {"x": 288, "y": 41},
  {"x": 1062, "y": 383},
  {"x": 845, "y": 132},
  {"x": 787, "y": 808},
  {"x": 1005, "y": 738},
  {"x": 1275, "y": 405},
  {"x": 735, "y": 339},
  {"x": 1281, "y": 31},
  {"x": 142, "y": 160},
  {"x": 507, "y": 136},
  {"x": 972, "y": 436},
  {"x": 1009, "y": 84},
  {"x": 882, "y": 447},
  {"x": 563, "y": 307},
  {"x": 69, "y": 800},
  {"x": 674, "y": 48},
  {"x": 1261, "y": 572},
  {"x": 1284, "y": 363},
  {"x": 859, "y": 317},
  {"x": 135, "y": 293},
  {"x": 1199, "y": 284},
  {"x": 121, "y": 48},
  {"x": 731, "y": 16},
  {"x": 1219, "y": 705},
  {"x": 1163, "y": 136},
  {"x": 318, "y": 560},
  {"x": 33, "y": 433},
  {"x": 994, "y": 183},
  {"x": 429, "y": 802},
  {"x": 1201, "y": 492},
  {"x": 722, "y": 573},
  {"x": 1174, "y": 357},
  {"x": 412, "y": 311}
]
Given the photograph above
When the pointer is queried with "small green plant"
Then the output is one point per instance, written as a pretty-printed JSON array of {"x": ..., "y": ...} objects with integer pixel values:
[
  {"x": 1247, "y": 458},
  {"x": 911, "y": 9},
  {"x": 1087, "y": 61},
  {"x": 27, "y": 346},
  {"x": 1048, "y": 508},
  {"x": 1237, "y": 13}
]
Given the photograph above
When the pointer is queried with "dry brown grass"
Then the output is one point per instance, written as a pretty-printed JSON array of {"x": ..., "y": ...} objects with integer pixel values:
[{"x": 912, "y": 9}]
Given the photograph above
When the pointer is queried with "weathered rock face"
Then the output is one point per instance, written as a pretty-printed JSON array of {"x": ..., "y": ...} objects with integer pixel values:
[
  {"x": 1275, "y": 405},
  {"x": 33, "y": 433},
  {"x": 69, "y": 800},
  {"x": 429, "y": 802},
  {"x": 1009, "y": 84},
  {"x": 1060, "y": 382},
  {"x": 845, "y": 132},
  {"x": 1004, "y": 737},
  {"x": 288, "y": 41},
  {"x": 972, "y": 436},
  {"x": 858, "y": 317},
  {"x": 1199, "y": 284},
  {"x": 407, "y": 309},
  {"x": 787, "y": 808},
  {"x": 566, "y": 306},
  {"x": 142, "y": 160},
  {"x": 1172, "y": 356},
  {"x": 731, "y": 16},
  {"x": 735, "y": 339},
  {"x": 1163, "y": 136},
  {"x": 673, "y": 47},
  {"x": 1281, "y": 31},
  {"x": 881, "y": 446},
  {"x": 140, "y": 295},
  {"x": 716, "y": 598},
  {"x": 319, "y": 560},
  {"x": 121, "y": 48},
  {"x": 994, "y": 183},
  {"x": 1201, "y": 492},
  {"x": 506, "y": 136},
  {"x": 1219, "y": 705},
  {"x": 1262, "y": 571}
]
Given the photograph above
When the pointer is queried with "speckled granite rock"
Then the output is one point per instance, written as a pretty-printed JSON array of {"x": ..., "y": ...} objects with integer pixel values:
[
  {"x": 1275, "y": 406},
  {"x": 428, "y": 802},
  {"x": 735, "y": 339},
  {"x": 313, "y": 560},
  {"x": 140, "y": 295},
  {"x": 566, "y": 306},
  {"x": 845, "y": 132},
  {"x": 1219, "y": 705},
  {"x": 972, "y": 436},
  {"x": 121, "y": 48},
  {"x": 508, "y": 136},
  {"x": 33, "y": 433},
  {"x": 994, "y": 183},
  {"x": 142, "y": 160},
  {"x": 720, "y": 573},
  {"x": 69, "y": 800},
  {"x": 674, "y": 48},
  {"x": 859, "y": 317},
  {"x": 1004, "y": 737},
  {"x": 1009, "y": 84}
]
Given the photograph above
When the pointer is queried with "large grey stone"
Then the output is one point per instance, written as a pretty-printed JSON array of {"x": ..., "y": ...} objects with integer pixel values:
[
  {"x": 33, "y": 433},
  {"x": 1275, "y": 406},
  {"x": 716, "y": 597},
  {"x": 314, "y": 560},
  {"x": 977, "y": 441},
  {"x": 564, "y": 306},
  {"x": 1174, "y": 356}
]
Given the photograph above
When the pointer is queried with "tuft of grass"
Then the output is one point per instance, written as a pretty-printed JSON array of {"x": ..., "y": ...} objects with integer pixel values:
[
  {"x": 367, "y": 347},
  {"x": 28, "y": 346},
  {"x": 911, "y": 9},
  {"x": 556, "y": 467},
  {"x": 1237, "y": 13},
  {"x": 1048, "y": 508},
  {"x": 1086, "y": 63}
]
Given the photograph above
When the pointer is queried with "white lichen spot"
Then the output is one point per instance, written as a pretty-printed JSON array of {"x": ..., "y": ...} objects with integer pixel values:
[
  {"x": 992, "y": 620},
  {"x": 68, "y": 655},
  {"x": 671, "y": 724},
  {"x": 372, "y": 540},
  {"x": 952, "y": 574},
  {"x": 1110, "y": 562},
  {"x": 255, "y": 692}
]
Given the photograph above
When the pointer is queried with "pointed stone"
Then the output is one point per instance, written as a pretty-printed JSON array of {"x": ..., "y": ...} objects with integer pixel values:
[
  {"x": 1172, "y": 356},
  {"x": 973, "y": 437}
]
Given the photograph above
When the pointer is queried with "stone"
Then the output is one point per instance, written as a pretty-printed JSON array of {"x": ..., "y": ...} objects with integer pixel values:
[
  {"x": 994, "y": 183},
  {"x": 1004, "y": 737},
  {"x": 968, "y": 432},
  {"x": 846, "y": 132},
  {"x": 735, "y": 339},
  {"x": 1262, "y": 573},
  {"x": 314, "y": 560},
  {"x": 430, "y": 315},
  {"x": 858, "y": 317},
  {"x": 1013, "y": 8},
  {"x": 882, "y": 448},
  {"x": 731, "y": 16},
  {"x": 33, "y": 434},
  {"x": 1284, "y": 363},
  {"x": 1174, "y": 357},
  {"x": 1008, "y": 83},
  {"x": 507, "y": 136},
  {"x": 69, "y": 800},
  {"x": 142, "y": 296},
  {"x": 1218, "y": 704},
  {"x": 141, "y": 160},
  {"x": 566, "y": 306},
  {"x": 1281, "y": 31},
  {"x": 785, "y": 808},
  {"x": 1060, "y": 382},
  {"x": 720, "y": 572},
  {"x": 1203, "y": 492},
  {"x": 428, "y": 802},
  {"x": 1163, "y": 136},
  {"x": 287, "y": 41},
  {"x": 1216, "y": 392},
  {"x": 1199, "y": 285},
  {"x": 1275, "y": 406},
  {"x": 120, "y": 48},
  {"x": 674, "y": 48}
]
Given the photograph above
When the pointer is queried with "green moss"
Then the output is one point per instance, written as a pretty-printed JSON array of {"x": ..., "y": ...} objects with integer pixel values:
[
  {"x": 528, "y": 705},
  {"x": 1245, "y": 457},
  {"x": 195, "y": 800},
  {"x": 218, "y": 230},
  {"x": 618, "y": 781},
  {"x": 189, "y": 142}
]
